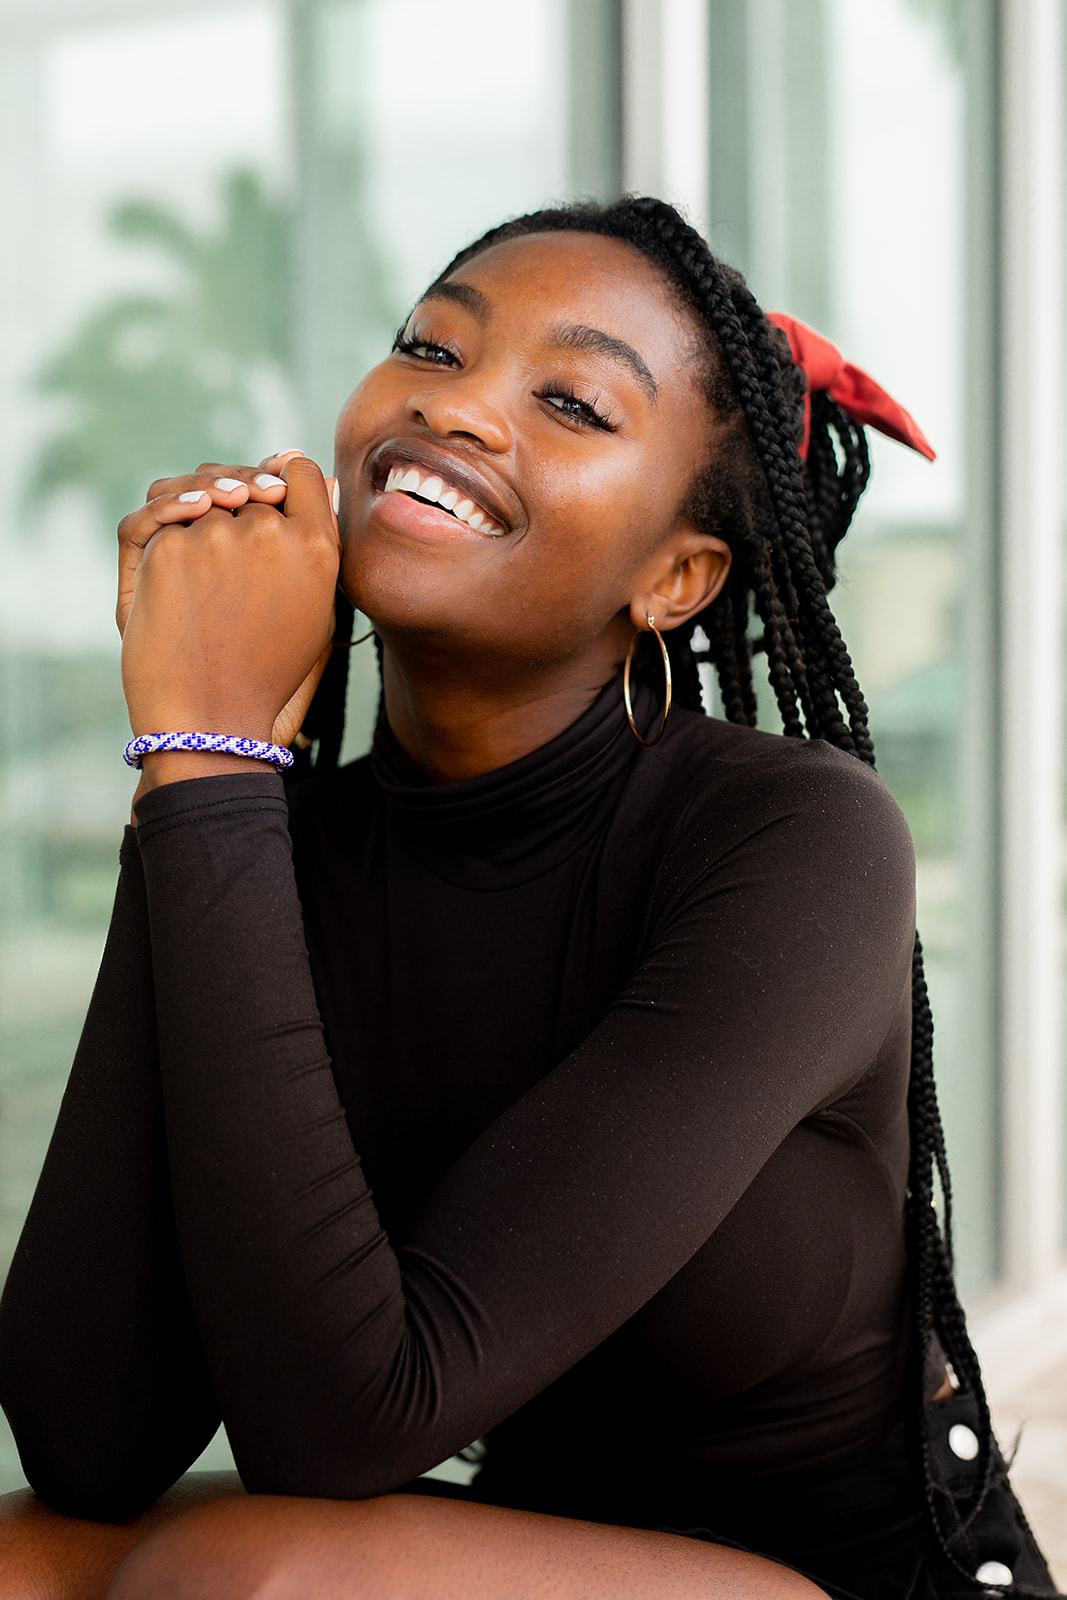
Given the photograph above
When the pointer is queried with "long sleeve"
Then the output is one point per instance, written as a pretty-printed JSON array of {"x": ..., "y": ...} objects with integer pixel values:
[
  {"x": 347, "y": 1362},
  {"x": 101, "y": 1377}
]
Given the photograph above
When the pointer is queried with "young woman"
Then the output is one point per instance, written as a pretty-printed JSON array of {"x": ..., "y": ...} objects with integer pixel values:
[{"x": 555, "y": 1079}]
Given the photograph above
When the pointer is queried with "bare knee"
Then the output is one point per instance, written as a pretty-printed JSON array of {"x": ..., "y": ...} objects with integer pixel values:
[
  {"x": 46, "y": 1555},
  {"x": 212, "y": 1550}
]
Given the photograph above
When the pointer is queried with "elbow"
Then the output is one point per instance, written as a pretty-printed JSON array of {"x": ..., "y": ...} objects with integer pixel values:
[
  {"x": 94, "y": 1485},
  {"x": 65, "y": 1463},
  {"x": 99, "y": 1468},
  {"x": 89, "y": 1489},
  {"x": 346, "y": 1440}
]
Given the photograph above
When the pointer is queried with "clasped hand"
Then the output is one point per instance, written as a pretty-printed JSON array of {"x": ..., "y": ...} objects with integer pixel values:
[{"x": 227, "y": 604}]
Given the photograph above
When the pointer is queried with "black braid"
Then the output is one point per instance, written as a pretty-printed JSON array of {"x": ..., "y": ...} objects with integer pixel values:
[
  {"x": 324, "y": 720},
  {"x": 783, "y": 520}
]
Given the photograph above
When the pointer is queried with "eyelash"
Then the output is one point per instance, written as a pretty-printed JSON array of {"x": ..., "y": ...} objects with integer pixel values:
[{"x": 592, "y": 418}]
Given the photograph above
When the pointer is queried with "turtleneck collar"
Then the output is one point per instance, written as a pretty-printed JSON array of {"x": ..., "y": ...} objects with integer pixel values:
[{"x": 516, "y": 822}]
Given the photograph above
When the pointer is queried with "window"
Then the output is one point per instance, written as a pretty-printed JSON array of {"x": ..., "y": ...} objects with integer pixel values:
[{"x": 203, "y": 274}]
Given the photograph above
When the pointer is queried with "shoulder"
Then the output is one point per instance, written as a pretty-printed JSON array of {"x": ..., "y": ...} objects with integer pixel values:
[
  {"x": 752, "y": 773},
  {"x": 802, "y": 809}
]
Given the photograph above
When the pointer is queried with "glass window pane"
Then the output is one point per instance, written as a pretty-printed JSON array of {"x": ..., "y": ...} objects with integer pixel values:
[{"x": 877, "y": 230}]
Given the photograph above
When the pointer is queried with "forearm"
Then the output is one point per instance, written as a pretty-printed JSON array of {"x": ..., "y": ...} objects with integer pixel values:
[
  {"x": 101, "y": 1374},
  {"x": 297, "y": 1292}
]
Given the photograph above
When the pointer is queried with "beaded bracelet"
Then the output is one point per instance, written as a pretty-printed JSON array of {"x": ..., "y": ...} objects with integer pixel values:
[{"x": 226, "y": 743}]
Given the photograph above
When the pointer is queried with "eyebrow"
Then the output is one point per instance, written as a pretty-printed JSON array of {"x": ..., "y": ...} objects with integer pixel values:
[{"x": 565, "y": 335}]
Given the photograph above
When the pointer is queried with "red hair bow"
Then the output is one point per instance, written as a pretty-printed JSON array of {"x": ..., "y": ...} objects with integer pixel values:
[{"x": 854, "y": 390}]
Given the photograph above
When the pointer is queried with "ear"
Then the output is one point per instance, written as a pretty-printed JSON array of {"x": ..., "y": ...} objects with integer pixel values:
[{"x": 683, "y": 577}]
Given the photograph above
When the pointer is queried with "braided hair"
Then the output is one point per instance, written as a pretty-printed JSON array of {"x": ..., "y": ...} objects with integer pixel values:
[{"x": 783, "y": 519}]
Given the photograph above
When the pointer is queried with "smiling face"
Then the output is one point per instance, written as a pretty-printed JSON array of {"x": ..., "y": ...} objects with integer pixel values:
[{"x": 588, "y": 503}]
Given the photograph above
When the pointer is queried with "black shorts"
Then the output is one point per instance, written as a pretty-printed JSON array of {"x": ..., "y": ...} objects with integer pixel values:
[{"x": 857, "y": 1526}]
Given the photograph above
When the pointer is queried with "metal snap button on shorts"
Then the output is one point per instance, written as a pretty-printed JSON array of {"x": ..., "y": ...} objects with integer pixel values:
[{"x": 858, "y": 1527}]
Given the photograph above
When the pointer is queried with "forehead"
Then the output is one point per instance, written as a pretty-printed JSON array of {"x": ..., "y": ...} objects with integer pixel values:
[{"x": 541, "y": 280}]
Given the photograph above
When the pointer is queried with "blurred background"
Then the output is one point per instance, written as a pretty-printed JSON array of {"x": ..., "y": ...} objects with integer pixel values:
[{"x": 216, "y": 213}]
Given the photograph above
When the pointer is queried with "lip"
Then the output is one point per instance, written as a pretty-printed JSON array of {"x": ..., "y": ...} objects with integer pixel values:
[{"x": 449, "y": 467}]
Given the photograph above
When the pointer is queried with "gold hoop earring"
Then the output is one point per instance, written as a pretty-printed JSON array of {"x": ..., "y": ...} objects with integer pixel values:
[{"x": 626, "y": 682}]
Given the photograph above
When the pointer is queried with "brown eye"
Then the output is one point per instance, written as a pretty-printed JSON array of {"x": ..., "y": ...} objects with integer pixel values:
[
  {"x": 587, "y": 415},
  {"x": 413, "y": 345},
  {"x": 591, "y": 418}
]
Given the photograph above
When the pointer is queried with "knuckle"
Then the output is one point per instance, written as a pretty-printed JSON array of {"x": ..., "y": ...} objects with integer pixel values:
[
  {"x": 162, "y": 545},
  {"x": 326, "y": 546},
  {"x": 261, "y": 519},
  {"x": 213, "y": 529}
]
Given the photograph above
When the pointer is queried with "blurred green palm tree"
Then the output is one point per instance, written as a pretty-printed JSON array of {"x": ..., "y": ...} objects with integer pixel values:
[
  {"x": 188, "y": 364},
  {"x": 177, "y": 365}
]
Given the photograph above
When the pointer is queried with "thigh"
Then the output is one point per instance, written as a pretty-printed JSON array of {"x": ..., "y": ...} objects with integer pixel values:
[{"x": 434, "y": 1546}]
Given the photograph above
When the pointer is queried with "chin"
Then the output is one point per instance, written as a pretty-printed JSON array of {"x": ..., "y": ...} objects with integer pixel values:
[{"x": 393, "y": 594}]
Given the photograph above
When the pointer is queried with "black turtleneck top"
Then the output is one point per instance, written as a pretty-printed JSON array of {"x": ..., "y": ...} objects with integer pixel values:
[{"x": 562, "y": 1106}]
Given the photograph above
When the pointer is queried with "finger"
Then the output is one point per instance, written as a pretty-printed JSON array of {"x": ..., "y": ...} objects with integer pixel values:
[
  {"x": 274, "y": 462},
  {"x": 227, "y": 486},
  {"x": 137, "y": 529},
  {"x": 204, "y": 473},
  {"x": 308, "y": 499}
]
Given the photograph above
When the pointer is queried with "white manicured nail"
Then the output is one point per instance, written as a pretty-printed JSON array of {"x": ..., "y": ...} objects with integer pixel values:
[
  {"x": 229, "y": 483},
  {"x": 336, "y": 496},
  {"x": 267, "y": 480},
  {"x": 190, "y": 495}
]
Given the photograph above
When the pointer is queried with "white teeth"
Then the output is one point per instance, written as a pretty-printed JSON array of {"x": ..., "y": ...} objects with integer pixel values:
[{"x": 432, "y": 487}]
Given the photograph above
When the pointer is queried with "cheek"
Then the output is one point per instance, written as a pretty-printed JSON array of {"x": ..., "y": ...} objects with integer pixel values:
[
  {"x": 572, "y": 578},
  {"x": 358, "y": 422},
  {"x": 578, "y": 497},
  {"x": 595, "y": 533}
]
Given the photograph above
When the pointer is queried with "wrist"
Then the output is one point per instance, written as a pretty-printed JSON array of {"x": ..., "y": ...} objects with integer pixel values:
[{"x": 174, "y": 766}]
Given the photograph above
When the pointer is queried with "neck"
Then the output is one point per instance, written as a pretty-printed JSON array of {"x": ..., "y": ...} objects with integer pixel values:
[{"x": 455, "y": 725}]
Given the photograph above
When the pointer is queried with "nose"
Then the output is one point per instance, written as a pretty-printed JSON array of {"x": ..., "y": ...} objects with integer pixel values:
[{"x": 462, "y": 406}]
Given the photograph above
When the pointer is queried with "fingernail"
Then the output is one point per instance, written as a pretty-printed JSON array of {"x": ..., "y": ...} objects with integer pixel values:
[
  {"x": 336, "y": 496},
  {"x": 267, "y": 480},
  {"x": 192, "y": 494},
  {"x": 229, "y": 483}
]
